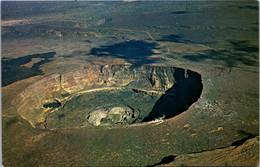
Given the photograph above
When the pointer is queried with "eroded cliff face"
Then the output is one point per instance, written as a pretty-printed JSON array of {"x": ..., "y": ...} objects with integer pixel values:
[{"x": 52, "y": 94}]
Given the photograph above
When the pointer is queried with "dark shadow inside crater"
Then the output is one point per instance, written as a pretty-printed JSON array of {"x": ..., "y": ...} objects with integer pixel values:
[
  {"x": 55, "y": 104},
  {"x": 186, "y": 90}
]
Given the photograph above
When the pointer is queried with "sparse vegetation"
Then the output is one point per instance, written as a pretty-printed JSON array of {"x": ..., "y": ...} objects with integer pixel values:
[{"x": 218, "y": 40}]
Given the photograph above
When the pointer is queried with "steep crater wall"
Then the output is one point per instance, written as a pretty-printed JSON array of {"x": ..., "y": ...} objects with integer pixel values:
[{"x": 108, "y": 95}]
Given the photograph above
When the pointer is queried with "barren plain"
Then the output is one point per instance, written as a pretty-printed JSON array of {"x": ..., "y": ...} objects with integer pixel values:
[{"x": 130, "y": 83}]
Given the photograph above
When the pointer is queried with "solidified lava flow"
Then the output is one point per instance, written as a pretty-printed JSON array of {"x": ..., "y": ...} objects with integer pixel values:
[{"x": 109, "y": 95}]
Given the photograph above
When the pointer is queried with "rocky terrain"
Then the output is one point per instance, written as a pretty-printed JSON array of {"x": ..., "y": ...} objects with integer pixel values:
[
  {"x": 229, "y": 156},
  {"x": 142, "y": 83}
]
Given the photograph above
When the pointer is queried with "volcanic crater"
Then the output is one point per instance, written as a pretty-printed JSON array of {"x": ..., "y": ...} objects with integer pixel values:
[{"x": 109, "y": 95}]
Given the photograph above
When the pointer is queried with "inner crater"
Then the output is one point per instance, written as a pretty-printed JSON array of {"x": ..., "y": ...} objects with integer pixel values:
[{"x": 109, "y": 95}]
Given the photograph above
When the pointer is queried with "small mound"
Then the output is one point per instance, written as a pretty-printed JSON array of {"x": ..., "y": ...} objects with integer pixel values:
[{"x": 115, "y": 115}]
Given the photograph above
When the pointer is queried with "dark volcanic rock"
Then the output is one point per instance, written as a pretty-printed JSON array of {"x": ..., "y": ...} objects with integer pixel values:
[{"x": 15, "y": 69}]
